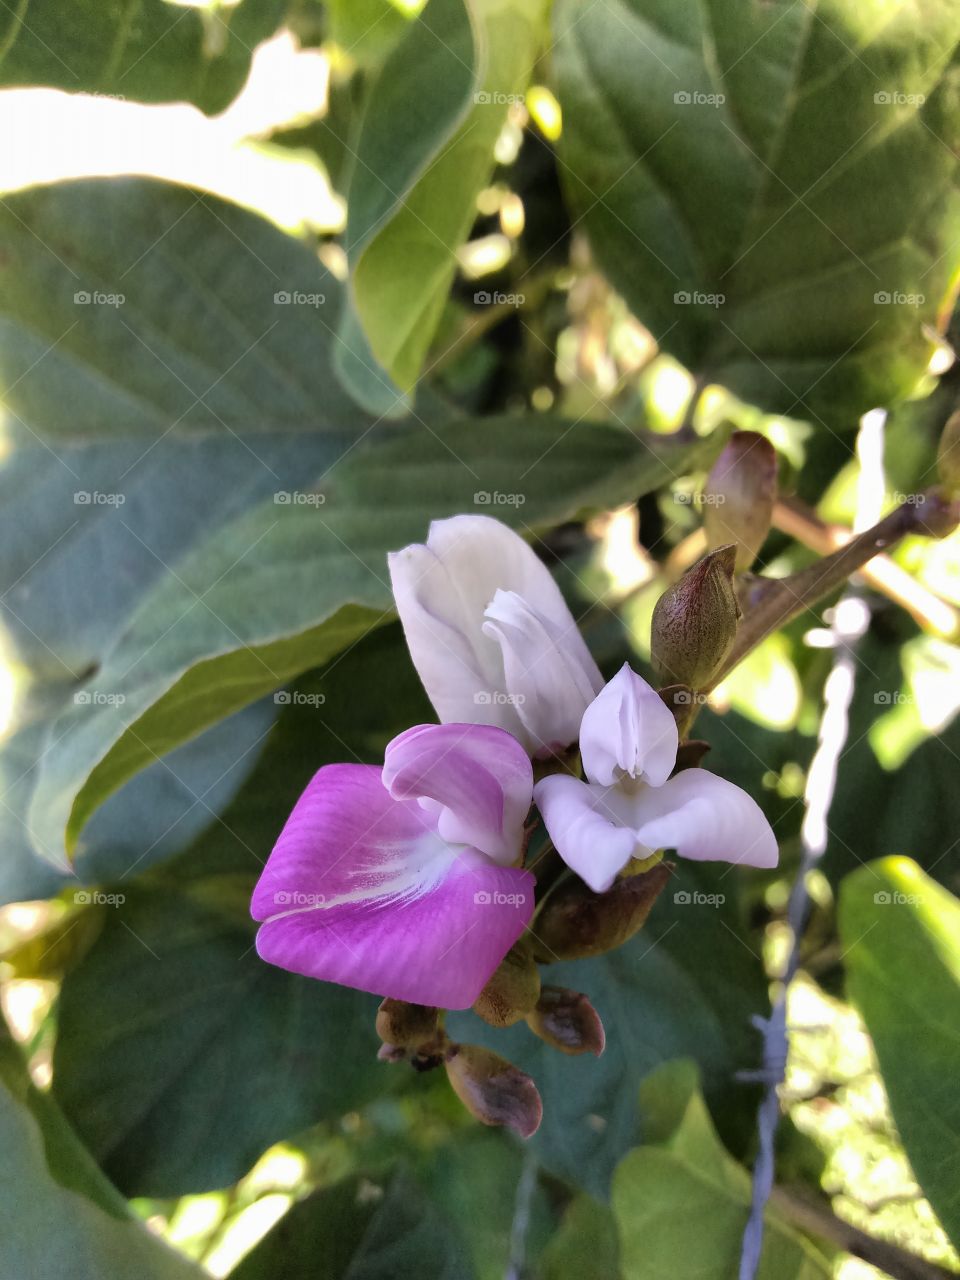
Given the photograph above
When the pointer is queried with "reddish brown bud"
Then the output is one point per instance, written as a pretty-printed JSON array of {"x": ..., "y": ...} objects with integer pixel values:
[
  {"x": 739, "y": 494},
  {"x": 695, "y": 622},
  {"x": 512, "y": 991},
  {"x": 575, "y": 922},
  {"x": 493, "y": 1089},
  {"x": 568, "y": 1021},
  {"x": 406, "y": 1026}
]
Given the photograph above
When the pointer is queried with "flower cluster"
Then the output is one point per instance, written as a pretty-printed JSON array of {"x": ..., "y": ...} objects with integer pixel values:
[{"x": 408, "y": 881}]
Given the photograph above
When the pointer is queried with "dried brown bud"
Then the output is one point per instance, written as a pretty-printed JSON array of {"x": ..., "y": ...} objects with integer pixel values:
[
  {"x": 695, "y": 622},
  {"x": 568, "y": 1021},
  {"x": 948, "y": 456},
  {"x": 739, "y": 494},
  {"x": 406, "y": 1026},
  {"x": 575, "y": 922},
  {"x": 513, "y": 990},
  {"x": 493, "y": 1089}
]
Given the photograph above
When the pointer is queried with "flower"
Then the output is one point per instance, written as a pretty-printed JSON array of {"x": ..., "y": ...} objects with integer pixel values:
[
  {"x": 630, "y": 806},
  {"x": 490, "y": 634},
  {"x": 400, "y": 882}
]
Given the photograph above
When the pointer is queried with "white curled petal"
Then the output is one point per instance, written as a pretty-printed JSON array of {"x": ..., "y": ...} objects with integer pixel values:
[
  {"x": 705, "y": 818},
  {"x": 549, "y": 674},
  {"x": 627, "y": 730},
  {"x": 581, "y": 827}
]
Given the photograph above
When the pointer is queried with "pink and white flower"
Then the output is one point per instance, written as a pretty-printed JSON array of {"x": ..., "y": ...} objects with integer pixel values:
[
  {"x": 629, "y": 807},
  {"x": 403, "y": 881},
  {"x": 490, "y": 634}
]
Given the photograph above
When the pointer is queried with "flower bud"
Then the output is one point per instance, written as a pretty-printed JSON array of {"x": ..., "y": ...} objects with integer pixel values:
[
  {"x": 695, "y": 621},
  {"x": 575, "y": 922},
  {"x": 568, "y": 1021},
  {"x": 406, "y": 1026},
  {"x": 739, "y": 494},
  {"x": 513, "y": 990},
  {"x": 493, "y": 1089}
]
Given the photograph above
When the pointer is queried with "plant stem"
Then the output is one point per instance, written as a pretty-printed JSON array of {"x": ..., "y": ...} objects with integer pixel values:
[{"x": 773, "y": 602}]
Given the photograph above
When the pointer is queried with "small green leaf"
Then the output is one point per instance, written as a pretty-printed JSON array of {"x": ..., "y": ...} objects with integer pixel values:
[
  {"x": 149, "y": 50},
  {"x": 901, "y": 936},
  {"x": 61, "y": 1216},
  {"x": 682, "y": 1203},
  {"x": 422, "y": 157}
]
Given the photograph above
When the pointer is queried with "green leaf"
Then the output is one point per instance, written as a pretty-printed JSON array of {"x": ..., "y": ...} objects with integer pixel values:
[
  {"x": 586, "y": 1244},
  {"x": 288, "y": 585},
  {"x": 901, "y": 937},
  {"x": 61, "y": 1216},
  {"x": 184, "y": 1003},
  {"x": 685, "y": 986},
  {"x": 149, "y": 50},
  {"x": 422, "y": 157},
  {"x": 826, "y": 138},
  {"x": 136, "y": 307},
  {"x": 686, "y": 1178},
  {"x": 364, "y": 1228}
]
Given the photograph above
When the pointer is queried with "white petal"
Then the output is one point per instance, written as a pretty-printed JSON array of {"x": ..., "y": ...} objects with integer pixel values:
[
  {"x": 584, "y": 831},
  {"x": 442, "y": 590},
  {"x": 627, "y": 729},
  {"x": 705, "y": 818},
  {"x": 549, "y": 674}
]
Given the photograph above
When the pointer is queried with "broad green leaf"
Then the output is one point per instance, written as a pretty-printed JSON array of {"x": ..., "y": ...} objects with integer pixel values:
[
  {"x": 371, "y": 1227},
  {"x": 176, "y": 981},
  {"x": 422, "y": 157},
  {"x": 151, "y": 50},
  {"x": 136, "y": 307},
  {"x": 289, "y": 584},
  {"x": 901, "y": 937},
  {"x": 681, "y": 1203},
  {"x": 686, "y": 986},
  {"x": 366, "y": 30},
  {"x": 586, "y": 1244},
  {"x": 61, "y": 1216},
  {"x": 771, "y": 187}
]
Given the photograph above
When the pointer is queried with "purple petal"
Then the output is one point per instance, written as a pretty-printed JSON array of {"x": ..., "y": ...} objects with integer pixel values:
[
  {"x": 479, "y": 778},
  {"x": 586, "y": 832},
  {"x": 361, "y": 890}
]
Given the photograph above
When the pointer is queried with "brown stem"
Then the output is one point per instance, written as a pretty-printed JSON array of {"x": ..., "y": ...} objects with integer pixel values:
[
  {"x": 928, "y": 610},
  {"x": 809, "y": 1213},
  {"x": 773, "y": 602}
]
